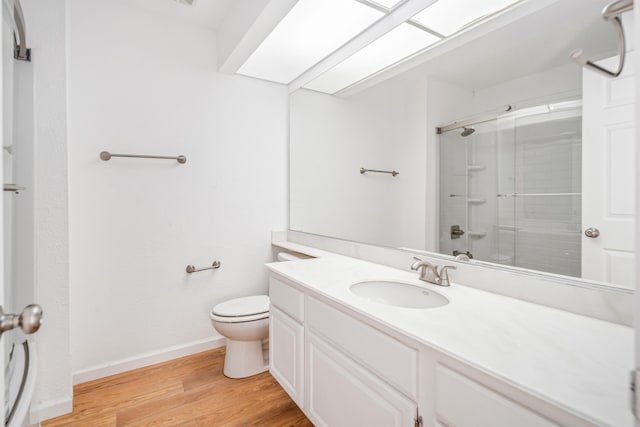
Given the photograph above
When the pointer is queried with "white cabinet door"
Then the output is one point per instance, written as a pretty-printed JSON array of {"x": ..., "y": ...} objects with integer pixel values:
[
  {"x": 341, "y": 393},
  {"x": 608, "y": 175},
  {"x": 286, "y": 354}
]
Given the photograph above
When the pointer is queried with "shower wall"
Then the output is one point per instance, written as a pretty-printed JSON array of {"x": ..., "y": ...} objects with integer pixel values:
[{"x": 467, "y": 186}]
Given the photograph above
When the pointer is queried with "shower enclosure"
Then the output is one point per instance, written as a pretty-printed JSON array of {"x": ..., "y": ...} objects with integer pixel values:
[{"x": 510, "y": 189}]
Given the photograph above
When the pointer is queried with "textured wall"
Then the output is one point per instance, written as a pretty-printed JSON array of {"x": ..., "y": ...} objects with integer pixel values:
[
  {"x": 145, "y": 83},
  {"x": 47, "y": 39}
]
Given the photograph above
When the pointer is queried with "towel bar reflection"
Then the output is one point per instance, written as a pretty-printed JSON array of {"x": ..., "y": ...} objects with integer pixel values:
[
  {"x": 105, "y": 155},
  {"x": 193, "y": 269},
  {"x": 611, "y": 13},
  {"x": 393, "y": 173}
]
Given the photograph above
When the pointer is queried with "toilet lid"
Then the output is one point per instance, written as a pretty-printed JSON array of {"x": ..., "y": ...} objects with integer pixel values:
[{"x": 246, "y": 306}]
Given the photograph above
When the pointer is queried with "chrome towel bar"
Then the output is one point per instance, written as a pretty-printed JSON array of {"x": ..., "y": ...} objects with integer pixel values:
[
  {"x": 612, "y": 14},
  {"x": 193, "y": 269},
  {"x": 538, "y": 194},
  {"x": 20, "y": 51},
  {"x": 393, "y": 173},
  {"x": 105, "y": 155}
]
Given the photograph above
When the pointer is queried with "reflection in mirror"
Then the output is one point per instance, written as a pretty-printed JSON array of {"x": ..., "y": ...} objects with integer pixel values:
[
  {"x": 515, "y": 188},
  {"x": 510, "y": 189}
]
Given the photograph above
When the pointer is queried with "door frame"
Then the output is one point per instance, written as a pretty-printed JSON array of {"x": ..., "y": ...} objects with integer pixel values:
[{"x": 636, "y": 53}]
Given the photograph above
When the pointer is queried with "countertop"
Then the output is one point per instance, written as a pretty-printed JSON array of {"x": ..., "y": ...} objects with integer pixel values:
[{"x": 578, "y": 363}]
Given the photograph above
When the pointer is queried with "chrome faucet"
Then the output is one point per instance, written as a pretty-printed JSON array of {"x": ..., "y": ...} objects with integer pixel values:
[{"x": 429, "y": 272}]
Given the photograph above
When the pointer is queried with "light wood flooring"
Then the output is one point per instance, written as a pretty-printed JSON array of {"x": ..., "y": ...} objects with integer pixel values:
[{"x": 190, "y": 391}]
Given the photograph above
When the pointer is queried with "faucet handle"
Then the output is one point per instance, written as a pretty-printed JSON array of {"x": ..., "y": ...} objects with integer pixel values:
[
  {"x": 444, "y": 274},
  {"x": 420, "y": 263},
  {"x": 428, "y": 272}
]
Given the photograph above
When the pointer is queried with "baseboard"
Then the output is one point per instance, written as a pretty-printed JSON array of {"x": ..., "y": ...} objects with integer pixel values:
[
  {"x": 50, "y": 409},
  {"x": 146, "y": 359}
]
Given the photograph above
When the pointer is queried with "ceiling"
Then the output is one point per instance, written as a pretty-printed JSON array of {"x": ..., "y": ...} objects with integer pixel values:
[
  {"x": 533, "y": 44},
  {"x": 315, "y": 30},
  {"x": 205, "y": 13}
]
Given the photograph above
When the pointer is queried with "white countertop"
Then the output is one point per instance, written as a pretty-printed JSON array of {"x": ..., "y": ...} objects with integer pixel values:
[{"x": 578, "y": 363}]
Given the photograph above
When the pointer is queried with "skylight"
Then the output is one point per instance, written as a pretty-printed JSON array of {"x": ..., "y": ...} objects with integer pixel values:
[
  {"x": 394, "y": 46},
  {"x": 389, "y": 4},
  {"x": 448, "y": 16},
  {"x": 314, "y": 29},
  {"x": 311, "y": 30}
]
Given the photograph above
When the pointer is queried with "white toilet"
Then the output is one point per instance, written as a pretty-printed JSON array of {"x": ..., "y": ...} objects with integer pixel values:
[{"x": 245, "y": 324}]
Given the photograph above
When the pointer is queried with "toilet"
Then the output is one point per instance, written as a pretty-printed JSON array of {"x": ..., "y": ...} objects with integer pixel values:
[{"x": 245, "y": 323}]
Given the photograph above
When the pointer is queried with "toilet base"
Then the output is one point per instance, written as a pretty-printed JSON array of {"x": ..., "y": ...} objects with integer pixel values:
[{"x": 244, "y": 359}]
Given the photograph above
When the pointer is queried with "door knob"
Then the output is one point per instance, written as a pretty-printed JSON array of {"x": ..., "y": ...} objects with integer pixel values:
[
  {"x": 29, "y": 320},
  {"x": 592, "y": 232}
]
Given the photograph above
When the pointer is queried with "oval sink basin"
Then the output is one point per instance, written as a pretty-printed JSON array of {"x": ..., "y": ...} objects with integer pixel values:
[{"x": 398, "y": 294}]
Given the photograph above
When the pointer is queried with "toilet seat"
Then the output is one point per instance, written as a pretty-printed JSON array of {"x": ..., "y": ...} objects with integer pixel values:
[{"x": 245, "y": 309}]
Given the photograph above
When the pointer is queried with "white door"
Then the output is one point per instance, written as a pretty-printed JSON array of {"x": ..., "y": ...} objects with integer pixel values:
[
  {"x": 608, "y": 175},
  {"x": 4, "y": 78},
  {"x": 636, "y": 38},
  {"x": 17, "y": 356}
]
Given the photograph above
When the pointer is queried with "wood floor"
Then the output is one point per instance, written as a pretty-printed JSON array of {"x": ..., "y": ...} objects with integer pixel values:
[{"x": 191, "y": 391}]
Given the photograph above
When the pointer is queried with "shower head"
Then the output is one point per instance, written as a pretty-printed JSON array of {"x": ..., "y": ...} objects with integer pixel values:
[{"x": 467, "y": 131}]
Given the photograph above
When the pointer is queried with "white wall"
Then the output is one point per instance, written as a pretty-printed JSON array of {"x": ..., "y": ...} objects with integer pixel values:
[
  {"x": 146, "y": 84},
  {"x": 332, "y": 138},
  {"x": 46, "y": 24}
]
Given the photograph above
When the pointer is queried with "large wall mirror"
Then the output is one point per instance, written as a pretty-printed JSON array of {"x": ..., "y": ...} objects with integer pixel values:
[{"x": 505, "y": 150}]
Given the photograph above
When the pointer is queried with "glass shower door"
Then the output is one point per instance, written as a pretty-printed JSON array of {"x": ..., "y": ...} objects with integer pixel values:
[
  {"x": 547, "y": 196},
  {"x": 510, "y": 189}
]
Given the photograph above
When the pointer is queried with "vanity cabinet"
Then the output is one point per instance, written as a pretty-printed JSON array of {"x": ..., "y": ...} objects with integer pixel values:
[
  {"x": 340, "y": 371},
  {"x": 286, "y": 338},
  {"x": 343, "y": 368}
]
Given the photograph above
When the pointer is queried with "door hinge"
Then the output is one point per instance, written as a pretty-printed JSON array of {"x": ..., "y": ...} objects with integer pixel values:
[
  {"x": 418, "y": 420},
  {"x": 635, "y": 402}
]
